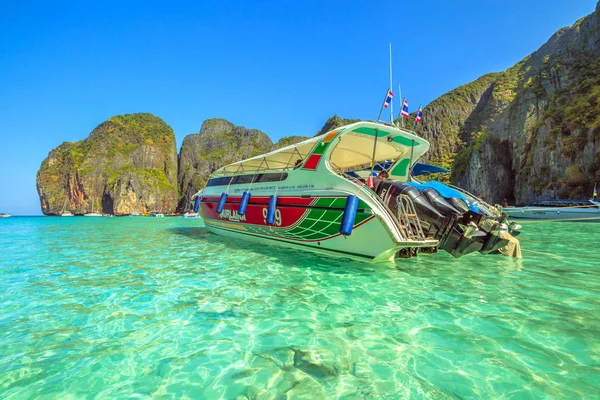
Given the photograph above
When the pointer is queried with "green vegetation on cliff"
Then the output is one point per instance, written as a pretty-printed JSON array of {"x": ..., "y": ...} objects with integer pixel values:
[
  {"x": 456, "y": 118},
  {"x": 137, "y": 147},
  {"x": 334, "y": 122},
  {"x": 289, "y": 140},
  {"x": 539, "y": 123},
  {"x": 218, "y": 143}
]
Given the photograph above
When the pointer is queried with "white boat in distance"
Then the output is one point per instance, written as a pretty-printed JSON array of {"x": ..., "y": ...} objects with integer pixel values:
[
  {"x": 558, "y": 210},
  {"x": 93, "y": 214},
  {"x": 3, "y": 215}
]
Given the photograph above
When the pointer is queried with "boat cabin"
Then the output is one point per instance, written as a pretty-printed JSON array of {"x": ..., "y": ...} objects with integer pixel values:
[{"x": 344, "y": 151}]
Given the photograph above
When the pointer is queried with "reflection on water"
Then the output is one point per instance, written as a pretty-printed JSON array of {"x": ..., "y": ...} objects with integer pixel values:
[{"x": 144, "y": 307}]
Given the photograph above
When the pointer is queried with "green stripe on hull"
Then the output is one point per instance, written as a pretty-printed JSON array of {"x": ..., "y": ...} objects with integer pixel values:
[{"x": 363, "y": 256}]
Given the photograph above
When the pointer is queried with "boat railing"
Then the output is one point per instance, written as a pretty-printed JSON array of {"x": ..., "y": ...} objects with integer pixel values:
[
  {"x": 405, "y": 220},
  {"x": 407, "y": 216}
]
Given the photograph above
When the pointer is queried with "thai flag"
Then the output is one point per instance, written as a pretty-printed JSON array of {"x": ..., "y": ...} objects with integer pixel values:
[
  {"x": 404, "y": 111},
  {"x": 388, "y": 99},
  {"x": 419, "y": 115}
]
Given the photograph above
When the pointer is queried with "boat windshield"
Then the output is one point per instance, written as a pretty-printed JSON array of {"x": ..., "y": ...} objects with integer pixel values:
[{"x": 367, "y": 144}]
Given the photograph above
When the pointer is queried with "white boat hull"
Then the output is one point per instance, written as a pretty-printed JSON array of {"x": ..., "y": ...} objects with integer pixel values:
[{"x": 554, "y": 214}]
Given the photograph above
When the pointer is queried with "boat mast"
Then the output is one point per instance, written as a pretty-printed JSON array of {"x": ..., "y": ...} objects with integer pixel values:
[
  {"x": 400, "y": 110},
  {"x": 391, "y": 102}
]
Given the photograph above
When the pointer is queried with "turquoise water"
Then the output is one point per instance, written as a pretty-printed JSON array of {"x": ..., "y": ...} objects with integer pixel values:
[{"x": 150, "y": 307}]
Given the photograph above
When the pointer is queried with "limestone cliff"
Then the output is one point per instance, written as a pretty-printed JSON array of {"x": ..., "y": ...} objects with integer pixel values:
[
  {"x": 288, "y": 140},
  {"x": 219, "y": 143},
  {"x": 532, "y": 131},
  {"x": 335, "y": 122},
  {"x": 127, "y": 164}
]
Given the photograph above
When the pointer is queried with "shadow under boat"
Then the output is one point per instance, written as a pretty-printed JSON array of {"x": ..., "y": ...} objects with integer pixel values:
[{"x": 288, "y": 256}]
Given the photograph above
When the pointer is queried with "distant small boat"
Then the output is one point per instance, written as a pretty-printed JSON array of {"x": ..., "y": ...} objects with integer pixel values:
[
  {"x": 4, "y": 215},
  {"x": 93, "y": 214},
  {"x": 559, "y": 210},
  {"x": 64, "y": 213},
  {"x": 190, "y": 214},
  {"x": 157, "y": 214},
  {"x": 135, "y": 214}
]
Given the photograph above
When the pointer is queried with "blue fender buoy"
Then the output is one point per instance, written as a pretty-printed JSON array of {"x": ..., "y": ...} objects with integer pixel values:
[
  {"x": 271, "y": 210},
  {"x": 196, "y": 203},
  {"x": 222, "y": 201},
  {"x": 244, "y": 203},
  {"x": 349, "y": 215}
]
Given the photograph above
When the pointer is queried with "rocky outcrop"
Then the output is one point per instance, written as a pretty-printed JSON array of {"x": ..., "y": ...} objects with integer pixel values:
[
  {"x": 532, "y": 131},
  {"x": 127, "y": 164},
  {"x": 289, "y": 140},
  {"x": 218, "y": 143},
  {"x": 334, "y": 122}
]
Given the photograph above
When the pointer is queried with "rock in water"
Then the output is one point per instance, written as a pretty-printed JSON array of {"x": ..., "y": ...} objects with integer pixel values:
[
  {"x": 219, "y": 143},
  {"x": 127, "y": 164}
]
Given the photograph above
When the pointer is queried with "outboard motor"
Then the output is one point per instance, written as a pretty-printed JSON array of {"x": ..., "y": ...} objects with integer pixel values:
[
  {"x": 436, "y": 199},
  {"x": 391, "y": 191},
  {"x": 461, "y": 223}
]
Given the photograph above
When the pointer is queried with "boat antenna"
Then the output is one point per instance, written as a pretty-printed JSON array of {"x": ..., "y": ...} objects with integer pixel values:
[
  {"x": 391, "y": 86},
  {"x": 374, "y": 150}
]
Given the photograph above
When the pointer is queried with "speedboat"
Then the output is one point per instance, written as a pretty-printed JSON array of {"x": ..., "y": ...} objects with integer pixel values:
[
  {"x": 190, "y": 214},
  {"x": 135, "y": 214},
  {"x": 557, "y": 210},
  {"x": 310, "y": 196},
  {"x": 4, "y": 215},
  {"x": 157, "y": 214},
  {"x": 66, "y": 214}
]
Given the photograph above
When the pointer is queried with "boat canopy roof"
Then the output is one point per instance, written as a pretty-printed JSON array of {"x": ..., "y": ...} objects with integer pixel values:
[
  {"x": 352, "y": 148},
  {"x": 283, "y": 158}
]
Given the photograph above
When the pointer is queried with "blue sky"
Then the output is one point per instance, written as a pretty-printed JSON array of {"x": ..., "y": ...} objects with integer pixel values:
[{"x": 280, "y": 66}]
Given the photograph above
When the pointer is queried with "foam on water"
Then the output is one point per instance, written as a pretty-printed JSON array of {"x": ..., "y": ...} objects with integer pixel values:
[{"x": 143, "y": 307}]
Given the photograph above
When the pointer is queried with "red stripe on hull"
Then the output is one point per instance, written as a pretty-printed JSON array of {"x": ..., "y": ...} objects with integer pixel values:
[
  {"x": 255, "y": 214},
  {"x": 281, "y": 201}
]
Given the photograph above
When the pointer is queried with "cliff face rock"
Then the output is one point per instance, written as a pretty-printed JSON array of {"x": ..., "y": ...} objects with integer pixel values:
[
  {"x": 127, "y": 164},
  {"x": 289, "y": 140},
  {"x": 531, "y": 131},
  {"x": 219, "y": 143},
  {"x": 334, "y": 122}
]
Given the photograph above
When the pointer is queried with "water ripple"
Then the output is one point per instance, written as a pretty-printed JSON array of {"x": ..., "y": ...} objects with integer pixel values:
[{"x": 141, "y": 307}]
